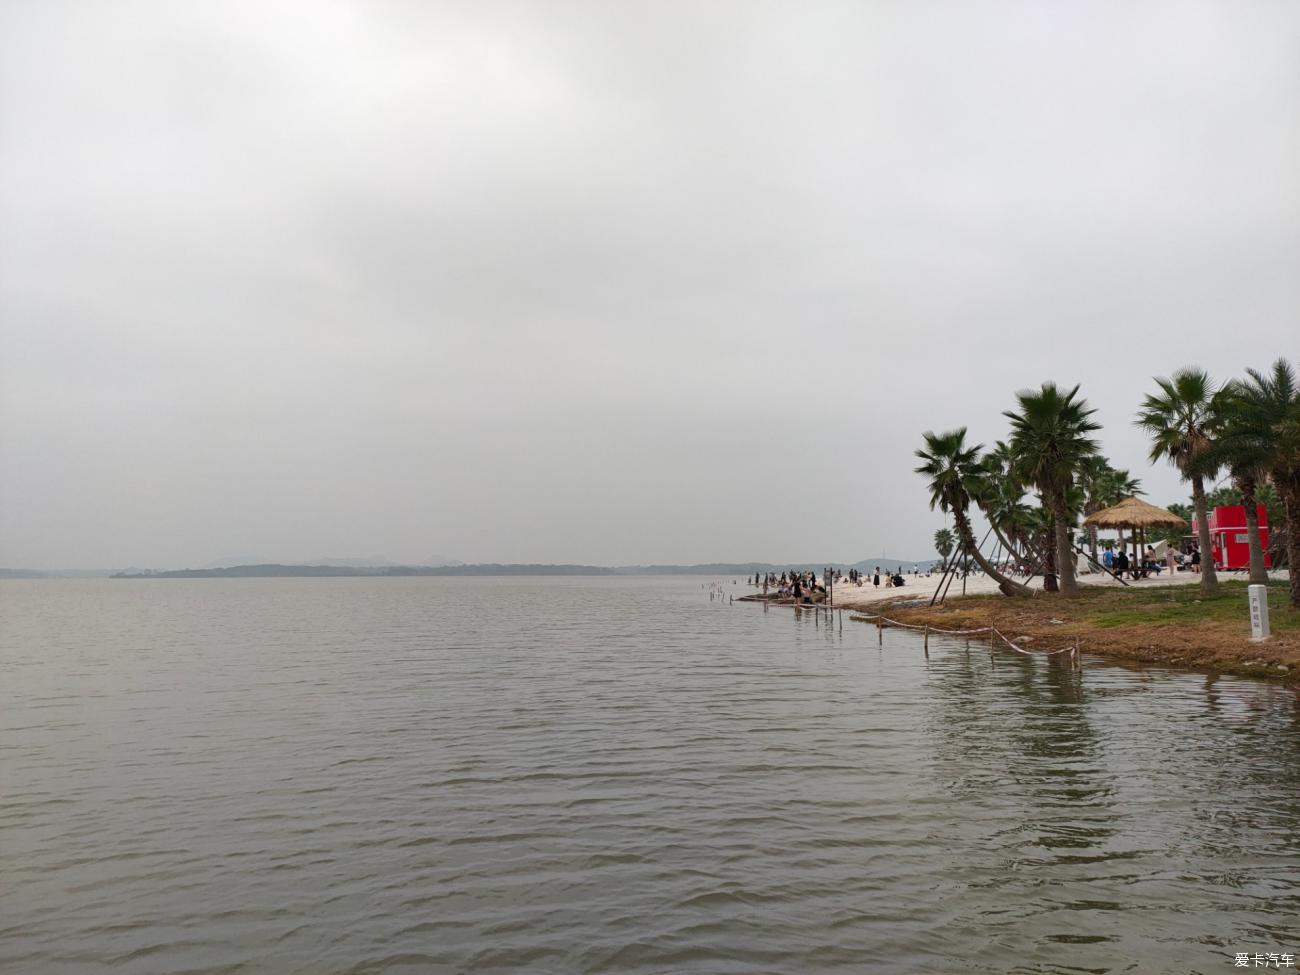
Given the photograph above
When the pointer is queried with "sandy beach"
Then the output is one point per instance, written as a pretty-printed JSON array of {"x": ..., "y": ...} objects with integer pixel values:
[{"x": 923, "y": 587}]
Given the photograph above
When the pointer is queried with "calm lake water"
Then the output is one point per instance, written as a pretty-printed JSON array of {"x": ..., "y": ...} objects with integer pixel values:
[{"x": 611, "y": 775}]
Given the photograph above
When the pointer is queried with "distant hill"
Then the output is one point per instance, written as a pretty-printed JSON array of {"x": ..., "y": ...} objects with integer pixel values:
[
  {"x": 228, "y": 560},
  {"x": 893, "y": 565},
  {"x": 276, "y": 570},
  {"x": 352, "y": 561},
  {"x": 348, "y": 567},
  {"x": 337, "y": 561},
  {"x": 749, "y": 568}
]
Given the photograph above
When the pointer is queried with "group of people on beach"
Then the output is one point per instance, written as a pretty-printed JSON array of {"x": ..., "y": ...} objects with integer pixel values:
[
  {"x": 804, "y": 586},
  {"x": 892, "y": 579},
  {"x": 1147, "y": 565}
]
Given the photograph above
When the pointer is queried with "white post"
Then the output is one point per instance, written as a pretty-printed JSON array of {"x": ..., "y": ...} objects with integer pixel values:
[{"x": 1258, "y": 612}]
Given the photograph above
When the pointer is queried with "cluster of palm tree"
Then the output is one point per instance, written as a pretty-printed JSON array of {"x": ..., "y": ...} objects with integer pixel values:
[
  {"x": 1030, "y": 487},
  {"x": 1033, "y": 487},
  {"x": 1247, "y": 428}
]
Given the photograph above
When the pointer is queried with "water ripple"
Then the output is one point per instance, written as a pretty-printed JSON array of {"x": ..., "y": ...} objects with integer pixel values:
[{"x": 611, "y": 775}]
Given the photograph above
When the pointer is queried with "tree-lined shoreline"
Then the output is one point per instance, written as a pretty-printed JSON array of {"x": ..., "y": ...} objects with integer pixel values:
[{"x": 1033, "y": 487}]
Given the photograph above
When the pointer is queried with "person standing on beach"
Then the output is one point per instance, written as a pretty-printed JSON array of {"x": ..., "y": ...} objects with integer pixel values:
[{"x": 875, "y": 579}]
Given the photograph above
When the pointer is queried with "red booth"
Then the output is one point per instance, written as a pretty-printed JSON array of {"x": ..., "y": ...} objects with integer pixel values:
[{"x": 1229, "y": 542}]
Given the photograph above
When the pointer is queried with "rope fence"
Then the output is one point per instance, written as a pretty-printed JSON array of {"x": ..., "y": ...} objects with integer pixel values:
[{"x": 991, "y": 631}]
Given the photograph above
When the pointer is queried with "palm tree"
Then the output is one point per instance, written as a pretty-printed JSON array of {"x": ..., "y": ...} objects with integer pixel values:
[
  {"x": 1024, "y": 530},
  {"x": 1050, "y": 442},
  {"x": 1023, "y": 525},
  {"x": 944, "y": 542},
  {"x": 1261, "y": 430},
  {"x": 1093, "y": 474},
  {"x": 1246, "y": 478},
  {"x": 1247, "y": 463},
  {"x": 954, "y": 471},
  {"x": 1103, "y": 486},
  {"x": 1001, "y": 497},
  {"x": 1043, "y": 530},
  {"x": 1178, "y": 419}
]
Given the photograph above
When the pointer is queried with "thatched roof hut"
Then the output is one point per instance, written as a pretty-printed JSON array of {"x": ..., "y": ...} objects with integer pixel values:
[{"x": 1134, "y": 514}]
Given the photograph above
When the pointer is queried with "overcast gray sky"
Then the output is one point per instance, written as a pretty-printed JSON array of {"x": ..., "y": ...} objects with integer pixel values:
[{"x": 606, "y": 282}]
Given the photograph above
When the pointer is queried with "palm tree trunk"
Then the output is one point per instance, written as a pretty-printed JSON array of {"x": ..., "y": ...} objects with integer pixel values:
[
  {"x": 1209, "y": 581},
  {"x": 1065, "y": 560},
  {"x": 1009, "y": 587},
  {"x": 1288, "y": 486},
  {"x": 1246, "y": 485},
  {"x": 1092, "y": 544},
  {"x": 1048, "y": 554}
]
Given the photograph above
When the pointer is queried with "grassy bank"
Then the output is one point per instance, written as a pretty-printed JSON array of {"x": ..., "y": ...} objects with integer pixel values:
[{"x": 1156, "y": 624}]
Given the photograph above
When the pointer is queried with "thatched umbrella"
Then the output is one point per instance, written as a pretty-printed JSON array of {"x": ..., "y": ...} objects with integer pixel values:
[{"x": 1135, "y": 515}]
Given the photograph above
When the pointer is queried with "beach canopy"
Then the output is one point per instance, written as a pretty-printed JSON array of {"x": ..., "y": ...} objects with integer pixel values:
[{"x": 1132, "y": 513}]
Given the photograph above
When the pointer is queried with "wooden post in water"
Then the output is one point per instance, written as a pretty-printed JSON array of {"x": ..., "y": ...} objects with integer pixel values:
[{"x": 926, "y": 644}]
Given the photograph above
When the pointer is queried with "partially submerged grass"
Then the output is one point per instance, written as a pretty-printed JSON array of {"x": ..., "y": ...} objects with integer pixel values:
[{"x": 1159, "y": 624}]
